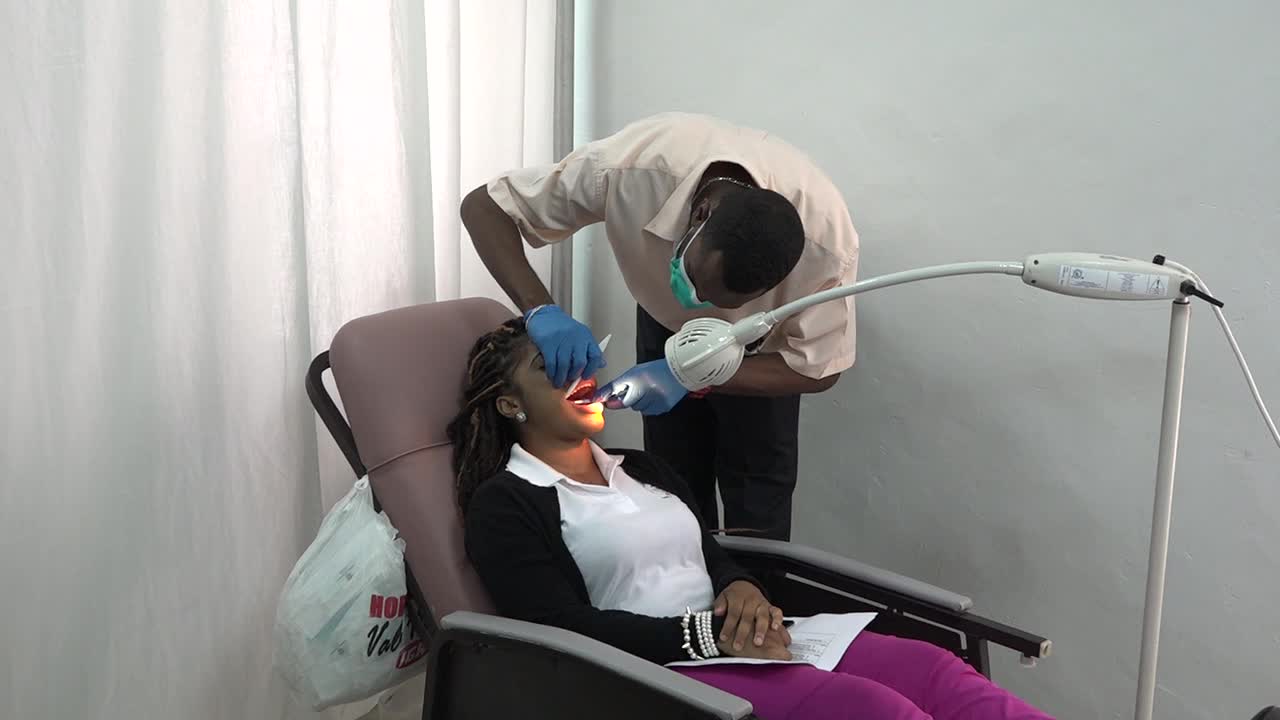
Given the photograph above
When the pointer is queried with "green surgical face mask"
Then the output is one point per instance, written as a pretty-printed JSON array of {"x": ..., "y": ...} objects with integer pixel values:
[{"x": 681, "y": 285}]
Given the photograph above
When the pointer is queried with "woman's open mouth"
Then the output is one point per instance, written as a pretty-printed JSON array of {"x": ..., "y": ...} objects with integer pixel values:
[{"x": 583, "y": 393}]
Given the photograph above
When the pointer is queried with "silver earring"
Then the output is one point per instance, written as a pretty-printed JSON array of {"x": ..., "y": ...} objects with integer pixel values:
[{"x": 520, "y": 416}]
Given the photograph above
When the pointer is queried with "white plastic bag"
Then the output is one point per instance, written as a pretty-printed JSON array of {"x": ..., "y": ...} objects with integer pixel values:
[{"x": 342, "y": 632}]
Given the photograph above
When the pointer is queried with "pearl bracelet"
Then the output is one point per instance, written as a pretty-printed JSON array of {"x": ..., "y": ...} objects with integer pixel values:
[
  {"x": 698, "y": 626},
  {"x": 706, "y": 637},
  {"x": 688, "y": 640}
]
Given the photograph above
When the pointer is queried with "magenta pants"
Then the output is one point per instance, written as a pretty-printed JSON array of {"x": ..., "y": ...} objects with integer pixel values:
[{"x": 879, "y": 678}]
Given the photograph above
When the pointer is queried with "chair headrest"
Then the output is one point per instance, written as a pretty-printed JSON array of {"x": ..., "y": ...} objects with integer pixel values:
[
  {"x": 399, "y": 376},
  {"x": 400, "y": 373}
]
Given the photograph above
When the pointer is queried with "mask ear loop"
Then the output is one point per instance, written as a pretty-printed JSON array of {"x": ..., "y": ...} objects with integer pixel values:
[
  {"x": 697, "y": 197},
  {"x": 683, "y": 246}
]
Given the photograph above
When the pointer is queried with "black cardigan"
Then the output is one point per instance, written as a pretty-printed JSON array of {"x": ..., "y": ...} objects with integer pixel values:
[{"x": 513, "y": 539}]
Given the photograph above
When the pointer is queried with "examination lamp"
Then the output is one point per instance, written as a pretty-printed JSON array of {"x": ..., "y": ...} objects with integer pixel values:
[{"x": 708, "y": 351}]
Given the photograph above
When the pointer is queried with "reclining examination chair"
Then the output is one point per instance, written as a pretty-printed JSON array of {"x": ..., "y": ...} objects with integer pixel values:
[{"x": 399, "y": 375}]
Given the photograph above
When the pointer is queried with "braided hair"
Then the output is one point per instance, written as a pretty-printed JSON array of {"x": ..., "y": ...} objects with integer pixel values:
[{"x": 482, "y": 437}]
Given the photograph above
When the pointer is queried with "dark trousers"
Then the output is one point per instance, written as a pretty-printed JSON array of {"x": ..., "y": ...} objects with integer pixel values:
[{"x": 749, "y": 444}]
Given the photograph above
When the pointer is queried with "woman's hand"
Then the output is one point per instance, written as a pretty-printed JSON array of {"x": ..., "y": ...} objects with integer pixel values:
[
  {"x": 774, "y": 647},
  {"x": 747, "y": 612}
]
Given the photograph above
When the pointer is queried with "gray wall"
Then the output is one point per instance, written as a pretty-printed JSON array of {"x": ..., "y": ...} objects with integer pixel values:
[{"x": 993, "y": 439}]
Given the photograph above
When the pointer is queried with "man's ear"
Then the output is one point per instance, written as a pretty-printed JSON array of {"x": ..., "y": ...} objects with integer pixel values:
[{"x": 701, "y": 211}]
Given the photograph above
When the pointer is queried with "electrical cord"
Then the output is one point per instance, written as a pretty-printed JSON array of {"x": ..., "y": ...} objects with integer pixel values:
[{"x": 1235, "y": 348}]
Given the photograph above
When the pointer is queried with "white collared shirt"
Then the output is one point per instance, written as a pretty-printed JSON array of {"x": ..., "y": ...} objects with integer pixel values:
[{"x": 638, "y": 548}]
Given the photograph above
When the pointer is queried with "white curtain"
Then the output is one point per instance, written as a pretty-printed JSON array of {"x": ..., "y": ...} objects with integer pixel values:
[
  {"x": 491, "y": 72},
  {"x": 193, "y": 198}
]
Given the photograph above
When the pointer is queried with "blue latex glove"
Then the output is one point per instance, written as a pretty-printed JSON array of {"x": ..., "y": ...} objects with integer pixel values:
[
  {"x": 651, "y": 388},
  {"x": 568, "y": 349}
]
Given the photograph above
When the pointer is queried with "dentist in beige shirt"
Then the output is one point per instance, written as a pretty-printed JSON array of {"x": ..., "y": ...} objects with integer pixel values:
[{"x": 706, "y": 219}]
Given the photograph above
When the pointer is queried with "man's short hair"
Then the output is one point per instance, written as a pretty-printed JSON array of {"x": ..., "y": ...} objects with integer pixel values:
[{"x": 760, "y": 236}]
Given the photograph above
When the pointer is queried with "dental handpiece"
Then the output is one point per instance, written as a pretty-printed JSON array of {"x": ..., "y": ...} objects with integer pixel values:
[{"x": 618, "y": 398}]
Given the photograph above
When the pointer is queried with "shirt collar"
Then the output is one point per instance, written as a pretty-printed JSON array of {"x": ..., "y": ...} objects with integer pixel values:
[
  {"x": 672, "y": 219},
  {"x": 534, "y": 471}
]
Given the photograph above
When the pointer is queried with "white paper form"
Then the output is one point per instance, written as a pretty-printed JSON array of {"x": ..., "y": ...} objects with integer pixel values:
[{"x": 820, "y": 641}]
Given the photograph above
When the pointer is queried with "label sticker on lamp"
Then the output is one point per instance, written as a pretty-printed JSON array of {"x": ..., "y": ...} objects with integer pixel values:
[
  {"x": 1128, "y": 283},
  {"x": 1083, "y": 277}
]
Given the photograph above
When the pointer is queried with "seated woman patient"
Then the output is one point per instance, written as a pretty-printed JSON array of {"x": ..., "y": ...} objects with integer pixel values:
[{"x": 609, "y": 545}]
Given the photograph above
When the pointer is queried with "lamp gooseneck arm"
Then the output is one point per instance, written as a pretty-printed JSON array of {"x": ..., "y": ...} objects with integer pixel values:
[{"x": 899, "y": 278}]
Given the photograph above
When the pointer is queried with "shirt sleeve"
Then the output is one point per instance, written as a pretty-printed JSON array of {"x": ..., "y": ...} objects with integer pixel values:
[
  {"x": 820, "y": 342},
  {"x": 549, "y": 203},
  {"x": 519, "y": 569}
]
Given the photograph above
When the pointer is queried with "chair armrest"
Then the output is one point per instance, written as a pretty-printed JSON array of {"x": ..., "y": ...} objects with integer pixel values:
[
  {"x": 910, "y": 587},
  {"x": 706, "y": 700}
]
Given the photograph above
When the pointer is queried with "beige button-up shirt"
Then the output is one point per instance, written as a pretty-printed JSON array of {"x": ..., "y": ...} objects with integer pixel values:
[{"x": 640, "y": 182}]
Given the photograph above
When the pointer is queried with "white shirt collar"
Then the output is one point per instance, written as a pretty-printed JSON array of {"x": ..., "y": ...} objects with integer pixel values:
[{"x": 534, "y": 471}]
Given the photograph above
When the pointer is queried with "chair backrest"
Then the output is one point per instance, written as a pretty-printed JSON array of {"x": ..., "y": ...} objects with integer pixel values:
[{"x": 399, "y": 375}]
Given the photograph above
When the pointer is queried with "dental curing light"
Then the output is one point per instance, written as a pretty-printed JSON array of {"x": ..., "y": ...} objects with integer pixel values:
[{"x": 708, "y": 351}]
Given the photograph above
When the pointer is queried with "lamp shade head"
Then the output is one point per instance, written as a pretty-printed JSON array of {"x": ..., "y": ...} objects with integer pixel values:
[{"x": 704, "y": 353}]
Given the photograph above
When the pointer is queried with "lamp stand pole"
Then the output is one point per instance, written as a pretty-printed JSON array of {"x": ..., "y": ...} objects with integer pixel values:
[
  {"x": 1163, "y": 511},
  {"x": 708, "y": 351}
]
